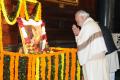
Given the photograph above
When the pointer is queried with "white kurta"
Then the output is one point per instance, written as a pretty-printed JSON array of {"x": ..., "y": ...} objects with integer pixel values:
[
  {"x": 113, "y": 63},
  {"x": 91, "y": 51}
]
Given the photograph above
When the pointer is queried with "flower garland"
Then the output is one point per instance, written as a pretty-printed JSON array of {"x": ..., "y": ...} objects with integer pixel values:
[
  {"x": 56, "y": 67},
  {"x": 16, "y": 67},
  {"x": 32, "y": 65},
  {"x": 78, "y": 70},
  {"x": 1, "y": 65},
  {"x": 38, "y": 12},
  {"x": 22, "y": 11},
  {"x": 11, "y": 67},
  {"x": 49, "y": 68},
  {"x": 5, "y": 14},
  {"x": 37, "y": 68},
  {"x": 33, "y": 68},
  {"x": 43, "y": 66},
  {"x": 62, "y": 69},
  {"x": 67, "y": 66},
  {"x": 1, "y": 45},
  {"x": 29, "y": 68},
  {"x": 73, "y": 67},
  {"x": 39, "y": 35},
  {"x": 20, "y": 7},
  {"x": 26, "y": 12}
]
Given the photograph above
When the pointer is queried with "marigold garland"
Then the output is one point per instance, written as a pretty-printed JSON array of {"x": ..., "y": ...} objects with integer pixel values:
[
  {"x": 73, "y": 68},
  {"x": 56, "y": 67},
  {"x": 33, "y": 68},
  {"x": 67, "y": 66},
  {"x": 37, "y": 68},
  {"x": 43, "y": 66},
  {"x": 62, "y": 69},
  {"x": 1, "y": 45},
  {"x": 5, "y": 14},
  {"x": 32, "y": 64},
  {"x": 29, "y": 68},
  {"x": 11, "y": 67},
  {"x": 22, "y": 11},
  {"x": 38, "y": 12},
  {"x": 78, "y": 71},
  {"x": 1, "y": 66},
  {"x": 49, "y": 68},
  {"x": 22, "y": 8},
  {"x": 16, "y": 67},
  {"x": 26, "y": 12}
]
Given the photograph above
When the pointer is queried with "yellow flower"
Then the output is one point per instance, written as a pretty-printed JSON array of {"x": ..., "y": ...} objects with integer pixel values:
[{"x": 5, "y": 13}]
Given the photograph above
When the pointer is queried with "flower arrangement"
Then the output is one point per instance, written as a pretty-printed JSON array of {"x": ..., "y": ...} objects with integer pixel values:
[
  {"x": 33, "y": 35},
  {"x": 9, "y": 19},
  {"x": 22, "y": 10}
]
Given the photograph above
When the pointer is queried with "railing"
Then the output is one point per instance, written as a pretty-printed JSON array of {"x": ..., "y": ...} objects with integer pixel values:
[{"x": 59, "y": 65}]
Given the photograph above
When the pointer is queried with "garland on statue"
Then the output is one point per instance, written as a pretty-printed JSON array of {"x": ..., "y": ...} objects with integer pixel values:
[{"x": 34, "y": 37}]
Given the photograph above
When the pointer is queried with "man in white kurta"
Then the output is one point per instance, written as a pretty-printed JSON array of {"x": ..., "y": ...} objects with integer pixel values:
[{"x": 91, "y": 47}]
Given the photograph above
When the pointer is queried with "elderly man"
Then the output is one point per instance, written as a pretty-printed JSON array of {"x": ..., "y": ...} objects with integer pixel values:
[{"x": 91, "y": 47}]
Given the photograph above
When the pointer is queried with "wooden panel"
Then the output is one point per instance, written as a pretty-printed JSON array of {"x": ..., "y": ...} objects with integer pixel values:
[
  {"x": 59, "y": 20},
  {"x": 9, "y": 35}
]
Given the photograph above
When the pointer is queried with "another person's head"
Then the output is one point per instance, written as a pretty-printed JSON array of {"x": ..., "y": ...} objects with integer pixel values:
[{"x": 80, "y": 17}]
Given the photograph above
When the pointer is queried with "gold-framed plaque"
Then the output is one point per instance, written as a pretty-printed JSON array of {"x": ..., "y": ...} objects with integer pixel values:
[
  {"x": 66, "y": 2},
  {"x": 55, "y": 1},
  {"x": 71, "y": 1}
]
